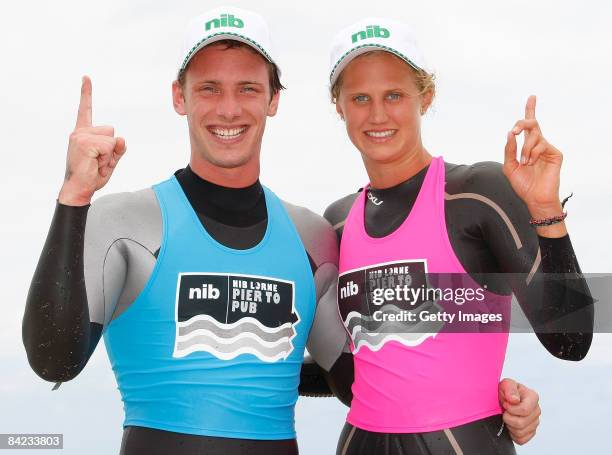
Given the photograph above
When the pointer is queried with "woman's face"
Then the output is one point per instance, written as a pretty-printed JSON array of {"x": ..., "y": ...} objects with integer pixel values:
[{"x": 381, "y": 105}]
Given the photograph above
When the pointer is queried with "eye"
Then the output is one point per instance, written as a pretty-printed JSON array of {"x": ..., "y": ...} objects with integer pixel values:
[
  {"x": 394, "y": 96},
  {"x": 248, "y": 89},
  {"x": 361, "y": 98},
  {"x": 209, "y": 89}
]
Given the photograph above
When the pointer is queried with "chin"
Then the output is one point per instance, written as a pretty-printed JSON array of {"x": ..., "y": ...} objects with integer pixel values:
[
  {"x": 381, "y": 155},
  {"x": 226, "y": 157},
  {"x": 230, "y": 162}
]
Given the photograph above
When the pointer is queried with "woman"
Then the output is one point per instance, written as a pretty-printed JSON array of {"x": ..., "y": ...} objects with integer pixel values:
[{"x": 419, "y": 388}]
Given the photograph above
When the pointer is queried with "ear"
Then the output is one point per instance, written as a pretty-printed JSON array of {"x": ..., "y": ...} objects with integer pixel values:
[
  {"x": 273, "y": 107},
  {"x": 339, "y": 110},
  {"x": 426, "y": 100},
  {"x": 178, "y": 100}
]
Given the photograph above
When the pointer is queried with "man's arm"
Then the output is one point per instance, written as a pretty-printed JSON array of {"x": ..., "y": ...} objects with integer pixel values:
[
  {"x": 328, "y": 343},
  {"x": 341, "y": 374},
  {"x": 88, "y": 253},
  {"x": 58, "y": 333},
  {"x": 327, "y": 339}
]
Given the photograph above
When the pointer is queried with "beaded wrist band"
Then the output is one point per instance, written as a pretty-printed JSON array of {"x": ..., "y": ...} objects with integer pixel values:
[
  {"x": 552, "y": 220},
  {"x": 548, "y": 221}
]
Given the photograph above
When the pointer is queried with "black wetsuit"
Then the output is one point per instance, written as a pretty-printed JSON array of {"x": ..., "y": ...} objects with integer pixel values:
[
  {"x": 488, "y": 227},
  {"x": 96, "y": 261}
]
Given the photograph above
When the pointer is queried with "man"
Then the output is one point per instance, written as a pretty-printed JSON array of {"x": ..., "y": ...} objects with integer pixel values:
[
  {"x": 205, "y": 317},
  {"x": 206, "y": 286}
]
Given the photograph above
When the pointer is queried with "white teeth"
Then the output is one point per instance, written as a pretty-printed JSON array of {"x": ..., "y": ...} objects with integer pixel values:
[
  {"x": 228, "y": 133},
  {"x": 381, "y": 133}
]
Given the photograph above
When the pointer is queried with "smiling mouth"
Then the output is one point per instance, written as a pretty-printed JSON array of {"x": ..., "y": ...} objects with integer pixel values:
[
  {"x": 227, "y": 134},
  {"x": 380, "y": 134}
]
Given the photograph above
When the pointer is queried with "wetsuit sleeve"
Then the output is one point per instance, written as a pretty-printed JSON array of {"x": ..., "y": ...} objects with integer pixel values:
[
  {"x": 529, "y": 261},
  {"x": 563, "y": 282},
  {"x": 82, "y": 280},
  {"x": 328, "y": 344},
  {"x": 327, "y": 336},
  {"x": 313, "y": 381},
  {"x": 339, "y": 375},
  {"x": 122, "y": 236},
  {"x": 57, "y": 333}
]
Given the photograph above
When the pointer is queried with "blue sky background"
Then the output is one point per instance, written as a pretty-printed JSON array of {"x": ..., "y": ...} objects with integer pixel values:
[{"x": 488, "y": 56}]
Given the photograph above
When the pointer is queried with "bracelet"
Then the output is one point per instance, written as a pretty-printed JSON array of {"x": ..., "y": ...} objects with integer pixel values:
[
  {"x": 554, "y": 219},
  {"x": 548, "y": 221}
]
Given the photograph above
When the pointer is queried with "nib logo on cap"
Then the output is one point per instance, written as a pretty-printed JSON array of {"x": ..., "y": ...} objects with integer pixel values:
[
  {"x": 371, "y": 31},
  {"x": 226, "y": 20}
]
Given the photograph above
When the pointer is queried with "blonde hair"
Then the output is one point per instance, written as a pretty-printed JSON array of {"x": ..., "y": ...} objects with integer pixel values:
[{"x": 425, "y": 81}]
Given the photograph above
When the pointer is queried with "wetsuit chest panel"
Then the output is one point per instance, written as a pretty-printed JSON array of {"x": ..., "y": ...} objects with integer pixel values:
[
  {"x": 214, "y": 343},
  {"x": 412, "y": 375}
]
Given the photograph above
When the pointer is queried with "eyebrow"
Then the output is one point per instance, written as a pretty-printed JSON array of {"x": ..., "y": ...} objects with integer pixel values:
[
  {"x": 386, "y": 91},
  {"x": 250, "y": 83},
  {"x": 216, "y": 82},
  {"x": 356, "y": 93},
  {"x": 395, "y": 89}
]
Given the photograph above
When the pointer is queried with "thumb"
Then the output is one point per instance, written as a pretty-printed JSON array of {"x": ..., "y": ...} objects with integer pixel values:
[
  {"x": 522, "y": 390},
  {"x": 509, "y": 391}
]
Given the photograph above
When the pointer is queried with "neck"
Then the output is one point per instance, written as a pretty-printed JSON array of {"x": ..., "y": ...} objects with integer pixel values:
[
  {"x": 387, "y": 174},
  {"x": 235, "y": 177},
  {"x": 240, "y": 207}
]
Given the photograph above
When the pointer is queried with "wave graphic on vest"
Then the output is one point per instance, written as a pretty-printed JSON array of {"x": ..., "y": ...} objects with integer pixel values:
[
  {"x": 232, "y": 314},
  {"x": 373, "y": 309}
]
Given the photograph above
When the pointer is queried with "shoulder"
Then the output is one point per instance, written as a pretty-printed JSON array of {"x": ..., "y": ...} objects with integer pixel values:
[
  {"x": 131, "y": 215},
  {"x": 485, "y": 177},
  {"x": 482, "y": 190},
  {"x": 483, "y": 182},
  {"x": 141, "y": 202},
  {"x": 315, "y": 232},
  {"x": 337, "y": 211}
]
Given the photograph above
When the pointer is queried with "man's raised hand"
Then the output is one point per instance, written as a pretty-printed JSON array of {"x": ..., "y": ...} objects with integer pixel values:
[{"x": 93, "y": 153}]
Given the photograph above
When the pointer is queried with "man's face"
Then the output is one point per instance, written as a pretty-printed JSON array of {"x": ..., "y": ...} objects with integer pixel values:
[{"x": 226, "y": 98}]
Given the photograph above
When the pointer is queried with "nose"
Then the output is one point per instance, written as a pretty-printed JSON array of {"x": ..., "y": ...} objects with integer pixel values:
[
  {"x": 378, "y": 113},
  {"x": 228, "y": 106}
]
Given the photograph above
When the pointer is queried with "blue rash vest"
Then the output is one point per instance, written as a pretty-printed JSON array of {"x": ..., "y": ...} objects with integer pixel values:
[{"x": 214, "y": 343}]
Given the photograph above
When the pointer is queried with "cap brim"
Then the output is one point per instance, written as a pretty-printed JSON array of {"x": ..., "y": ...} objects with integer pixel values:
[
  {"x": 357, "y": 51},
  {"x": 224, "y": 36}
]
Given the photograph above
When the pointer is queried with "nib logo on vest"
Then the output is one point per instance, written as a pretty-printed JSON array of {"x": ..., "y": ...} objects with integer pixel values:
[
  {"x": 383, "y": 303},
  {"x": 229, "y": 314}
]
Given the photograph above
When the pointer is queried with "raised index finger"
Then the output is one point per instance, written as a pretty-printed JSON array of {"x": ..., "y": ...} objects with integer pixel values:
[
  {"x": 84, "y": 113},
  {"x": 530, "y": 107}
]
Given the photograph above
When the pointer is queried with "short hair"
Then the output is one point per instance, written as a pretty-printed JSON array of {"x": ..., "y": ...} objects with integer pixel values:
[{"x": 273, "y": 71}]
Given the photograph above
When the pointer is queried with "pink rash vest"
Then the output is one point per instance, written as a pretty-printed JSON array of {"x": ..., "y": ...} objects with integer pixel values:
[{"x": 418, "y": 375}]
